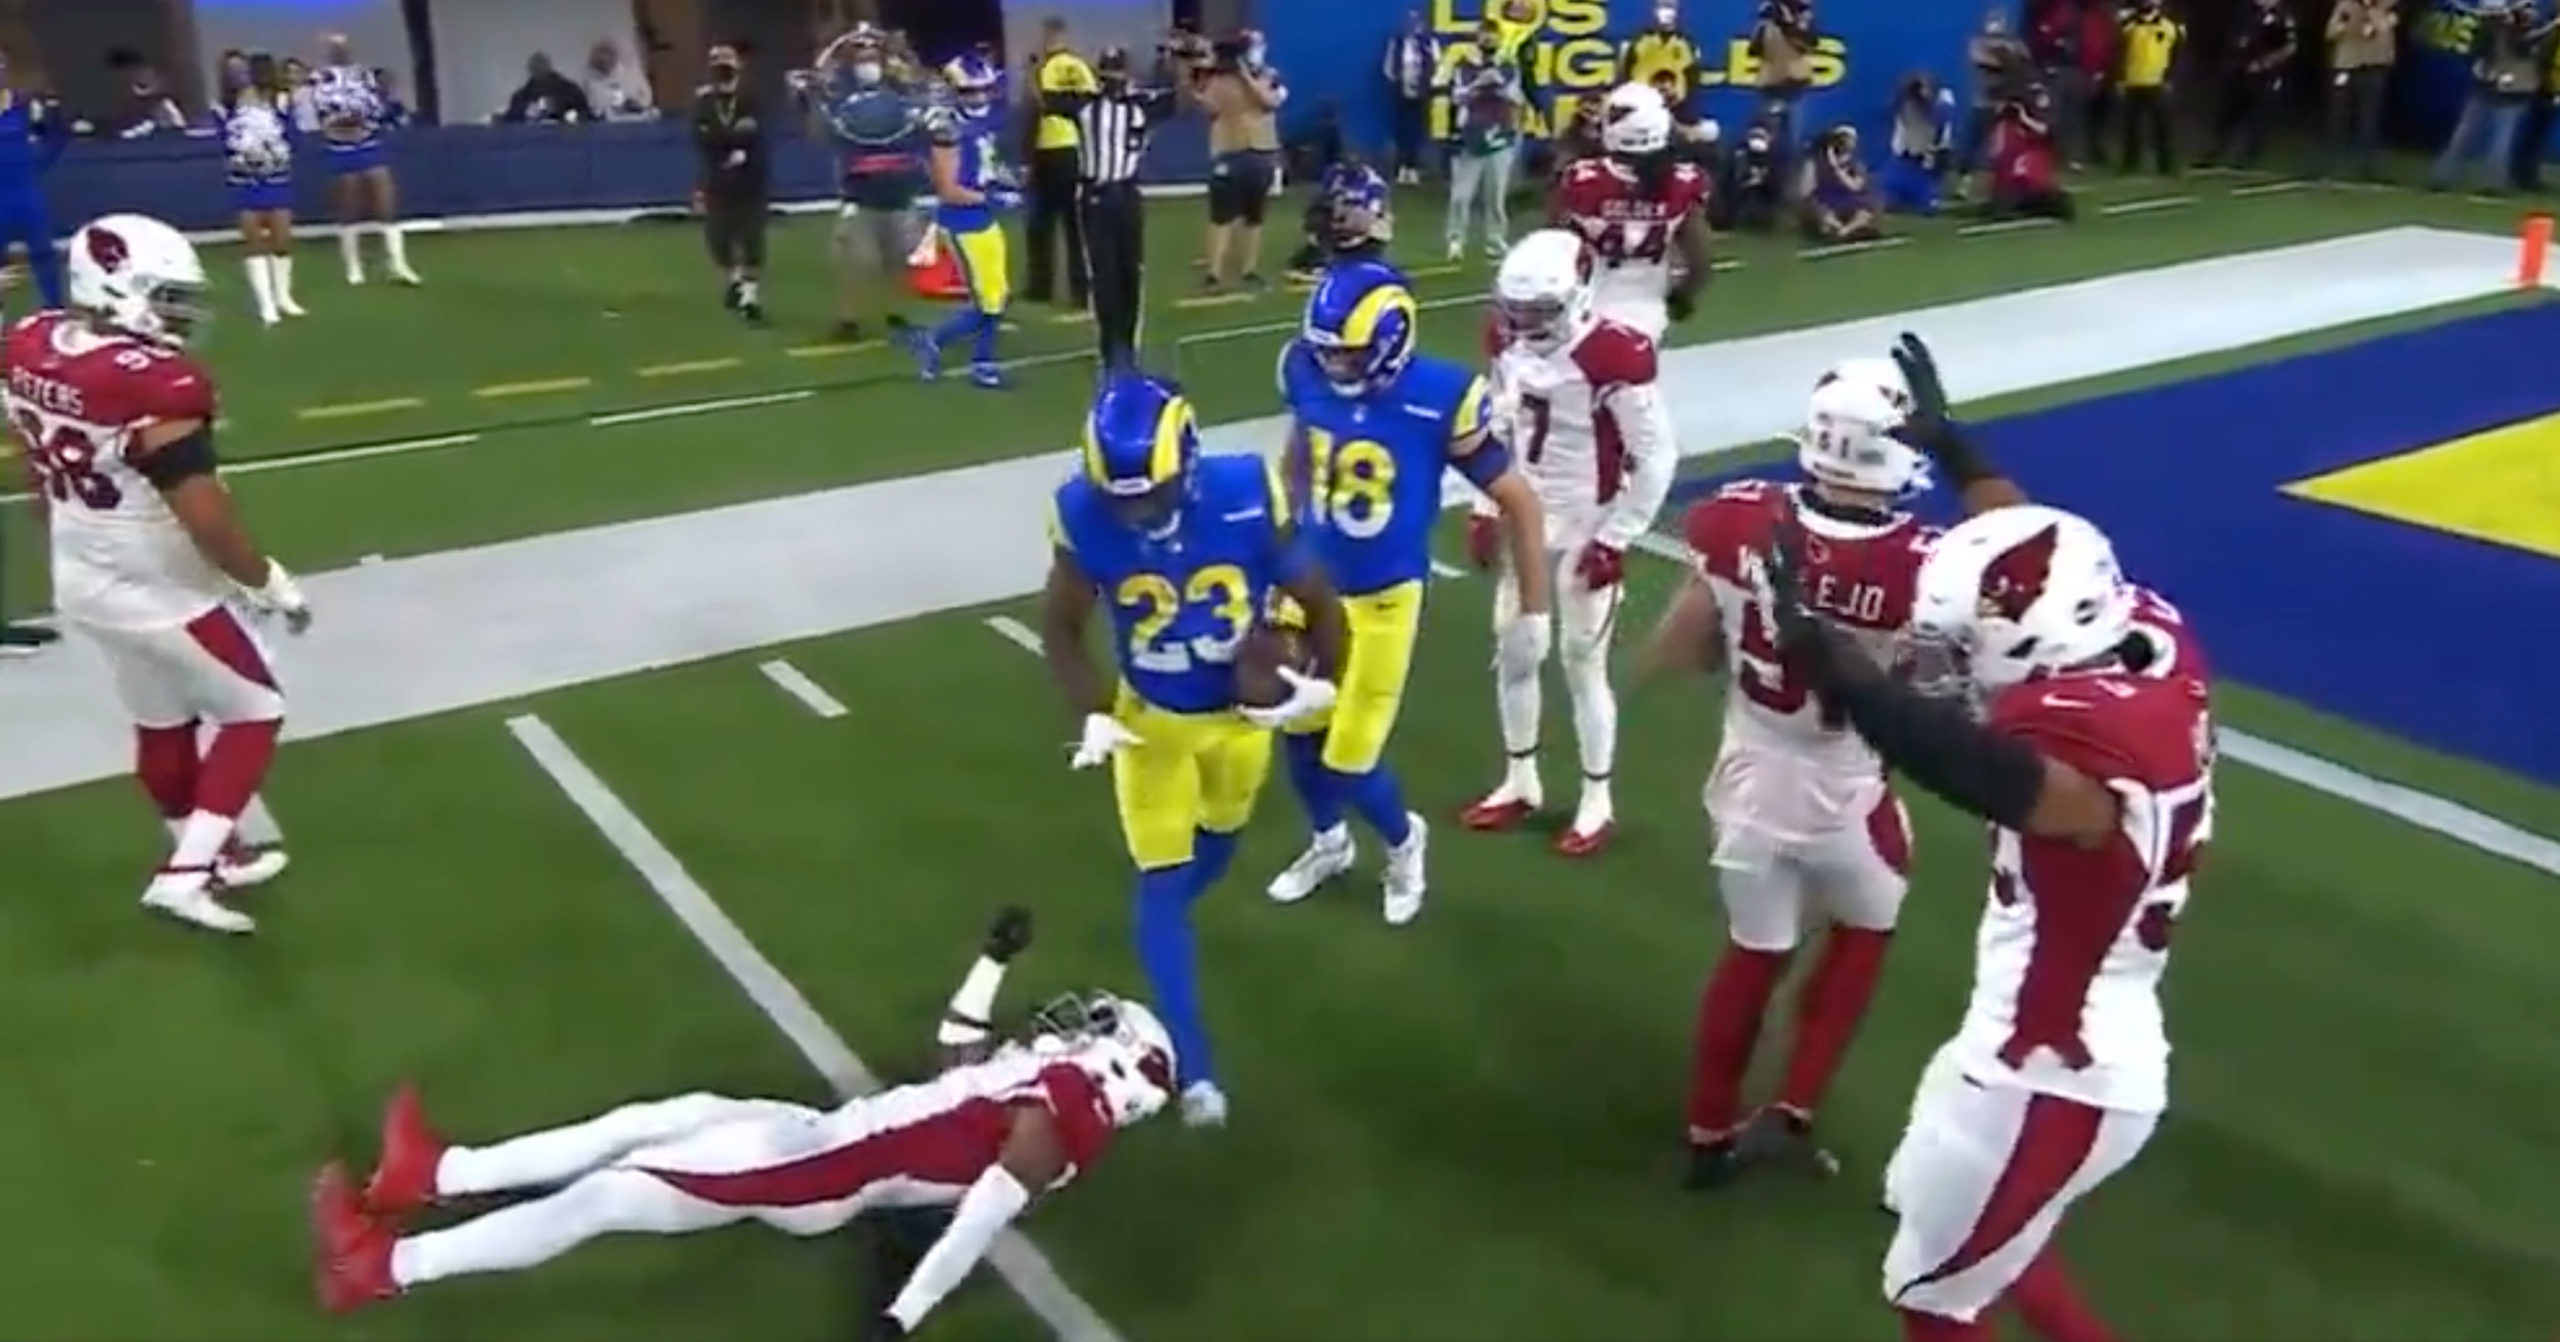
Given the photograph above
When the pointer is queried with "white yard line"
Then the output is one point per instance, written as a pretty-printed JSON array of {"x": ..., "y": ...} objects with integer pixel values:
[
  {"x": 2124, "y": 207},
  {"x": 684, "y": 408},
  {"x": 2434, "y": 814},
  {"x": 1017, "y": 633},
  {"x": 1442, "y": 568},
  {"x": 790, "y": 680},
  {"x": 1015, "y": 1258}
]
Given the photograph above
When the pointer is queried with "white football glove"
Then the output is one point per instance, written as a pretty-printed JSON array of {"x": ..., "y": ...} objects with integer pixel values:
[
  {"x": 1522, "y": 646},
  {"x": 1103, "y": 738},
  {"x": 280, "y": 595},
  {"x": 1307, "y": 694}
]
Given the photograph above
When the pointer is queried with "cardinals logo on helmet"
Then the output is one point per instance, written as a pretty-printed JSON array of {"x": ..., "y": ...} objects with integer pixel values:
[
  {"x": 2012, "y": 582},
  {"x": 107, "y": 247}
]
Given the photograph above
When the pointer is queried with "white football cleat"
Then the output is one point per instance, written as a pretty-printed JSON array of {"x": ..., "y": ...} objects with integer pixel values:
[
  {"x": 1204, "y": 1105},
  {"x": 404, "y": 275},
  {"x": 1330, "y": 854},
  {"x": 193, "y": 902},
  {"x": 1404, "y": 876},
  {"x": 242, "y": 868},
  {"x": 290, "y": 308}
]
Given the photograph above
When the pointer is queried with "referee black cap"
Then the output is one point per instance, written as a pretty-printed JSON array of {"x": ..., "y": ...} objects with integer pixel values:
[{"x": 1112, "y": 63}]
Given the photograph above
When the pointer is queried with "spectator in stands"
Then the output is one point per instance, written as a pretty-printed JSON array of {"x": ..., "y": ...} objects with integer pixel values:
[
  {"x": 145, "y": 109},
  {"x": 2151, "y": 40},
  {"x": 2261, "y": 53},
  {"x": 1487, "y": 101},
  {"x": 1920, "y": 146},
  {"x": 2026, "y": 165},
  {"x": 2363, "y": 43},
  {"x": 1750, "y": 195},
  {"x": 1838, "y": 202},
  {"x": 1782, "y": 37},
  {"x": 2505, "y": 72},
  {"x": 1412, "y": 63},
  {"x": 612, "y": 92},
  {"x": 546, "y": 96}
]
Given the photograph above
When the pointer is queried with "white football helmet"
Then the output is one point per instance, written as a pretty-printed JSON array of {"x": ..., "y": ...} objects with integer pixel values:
[
  {"x": 1126, "y": 1050},
  {"x": 1542, "y": 293},
  {"x": 1849, "y": 441},
  {"x": 2015, "y": 593},
  {"x": 1635, "y": 120},
  {"x": 138, "y": 276}
]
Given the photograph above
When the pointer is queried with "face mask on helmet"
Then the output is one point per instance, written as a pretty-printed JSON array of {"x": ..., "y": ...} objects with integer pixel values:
[
  {"x": 1346, "y": 367},
  {"x": 179, "y": 310},
  {"x": 1540, "y": 322}
]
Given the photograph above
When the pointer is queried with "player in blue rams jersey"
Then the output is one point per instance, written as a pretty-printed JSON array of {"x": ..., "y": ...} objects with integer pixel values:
[
  {"x": 972, "y": 188},
  {"x": 1187, "y": 553},
  {"x": 1377, "y": 425}
]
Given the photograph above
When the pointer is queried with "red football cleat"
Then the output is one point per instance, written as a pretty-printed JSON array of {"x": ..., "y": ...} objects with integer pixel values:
[
  {"x": 1585, "y": 843},
  {"x": 353, "y": 1251},
  {"x": 1490, "y": 814},
  {"x": 411, "y": 1150}
]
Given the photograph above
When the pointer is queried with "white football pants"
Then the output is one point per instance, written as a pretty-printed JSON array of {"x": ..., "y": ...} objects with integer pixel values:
[
  {"x": 1585, "y": 620},
  {"x": 601, "y": 1170}
]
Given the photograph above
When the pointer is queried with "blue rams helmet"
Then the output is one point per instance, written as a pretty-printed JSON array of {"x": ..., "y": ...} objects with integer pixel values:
[
  {"x": 1140, "y": 440},
  {"x": 1361, "y": 325},
  {"x": 973, "y": 79}
]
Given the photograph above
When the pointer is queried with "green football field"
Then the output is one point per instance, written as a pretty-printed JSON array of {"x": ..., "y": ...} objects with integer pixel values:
[{"x": 1463, "y": 1130}]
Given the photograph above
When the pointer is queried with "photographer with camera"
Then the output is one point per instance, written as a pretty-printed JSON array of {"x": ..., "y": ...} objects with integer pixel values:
[
  {"x": 735, "y": 191},
  {"x": 2025, "y": 162},
  {"x": 1242, "y": 96},
  {"x": 1487, "y": 99},
  {"x": 2364, "y": 40},
  {"x": 2252, "y": 86},
  {"x": 875, "y": 114}
]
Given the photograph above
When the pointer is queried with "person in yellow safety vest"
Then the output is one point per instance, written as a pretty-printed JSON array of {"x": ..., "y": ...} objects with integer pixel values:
[{"x": 1659, "y": 52}]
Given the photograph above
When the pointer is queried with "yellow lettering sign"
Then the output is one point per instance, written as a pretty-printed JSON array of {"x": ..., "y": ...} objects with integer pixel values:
[
  {"x": 2448, "y": 30},
  {"x": 1570, "y": 59}
]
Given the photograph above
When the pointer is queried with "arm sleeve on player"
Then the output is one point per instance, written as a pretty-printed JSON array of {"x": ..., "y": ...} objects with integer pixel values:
[
  {"x": 181, "y": 461},
  {"x": 1059, "y": 541},
  {"x": 969, "y": 1018},
  {"x": 1934, "y": 742},
  {"x": 1644, "y": 426},
  {"x": 1474, "y": 449},
  {"x": 982, "y": 1214}
]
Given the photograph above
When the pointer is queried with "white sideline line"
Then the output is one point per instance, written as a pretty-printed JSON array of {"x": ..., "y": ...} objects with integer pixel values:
[
  {"x": 2423, "y": 810},
  {"x": 1442, "y": 568},
  {"x": 1017, "y": 633},
  {"x": 683, "y": 408},
  {"x": 2124, "y": 207},
  {"x": 254, "y": 465},
  {"x": 1015, "y": 1258},
  {"x": 790, "y": 681}
]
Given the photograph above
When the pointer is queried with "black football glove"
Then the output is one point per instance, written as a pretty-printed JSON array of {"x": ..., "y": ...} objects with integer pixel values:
[
  {"x": 1808, "y": 644},
  {"x": 1932, "y": 427},
  {"x": 1008, "y": 935}
]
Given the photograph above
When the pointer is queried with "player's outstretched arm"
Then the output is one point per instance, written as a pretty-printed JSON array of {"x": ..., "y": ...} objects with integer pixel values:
[
  {"x": 967, "y": 1032},
  {"x": 1688, "y": 637},
  {"x": 1066, "y": 607},
  {"x": 1034, "y": 1158}
]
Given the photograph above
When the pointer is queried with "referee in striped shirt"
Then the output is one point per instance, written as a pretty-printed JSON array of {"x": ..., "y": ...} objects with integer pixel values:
[{"x": 1113, "y": 126}]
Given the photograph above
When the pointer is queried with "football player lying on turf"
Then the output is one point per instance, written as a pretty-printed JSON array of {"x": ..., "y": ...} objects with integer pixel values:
[{"x": 1000, "y": 1126}]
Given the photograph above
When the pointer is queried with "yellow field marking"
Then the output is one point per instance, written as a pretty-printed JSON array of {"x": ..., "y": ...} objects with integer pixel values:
[
  {"x": 352, "y": 409},
  {"x": 690, "y": 366},
  {"x": 2490, "y": 486},
  {"x": 543, "y": 387}
]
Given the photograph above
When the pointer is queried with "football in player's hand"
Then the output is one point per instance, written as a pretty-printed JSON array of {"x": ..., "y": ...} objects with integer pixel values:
[{"x": 1258, "y": 662}]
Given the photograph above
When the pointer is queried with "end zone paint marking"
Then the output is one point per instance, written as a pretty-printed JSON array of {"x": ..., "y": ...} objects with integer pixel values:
[
  {"x": 683, "y": 367},
  {"x": 2124, "y": 207},
  {"x": 790, "y": 681},
  {"x": 1017, "y": 633},
  {"x": 1023, "y": 1267},
  {"x": 352, "y": 409},
  {"x": 540, "y": 387},
  {"x": 683, "y": 408}
]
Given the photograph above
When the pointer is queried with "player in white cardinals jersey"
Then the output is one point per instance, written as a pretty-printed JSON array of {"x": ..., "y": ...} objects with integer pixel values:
[
  {"x": 1643, "y": 212},
  {"x": 150, "y": 561},
  {"x": 1808, "y": 835},
  {"x": 1588, "y": 425},
  {"x": 993, "y": 1132},
  {"x": 2098, "y": 782}
]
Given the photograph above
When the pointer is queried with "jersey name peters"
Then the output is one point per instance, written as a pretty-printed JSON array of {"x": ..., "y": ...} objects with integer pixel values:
[{"x": 47, "y": 394}]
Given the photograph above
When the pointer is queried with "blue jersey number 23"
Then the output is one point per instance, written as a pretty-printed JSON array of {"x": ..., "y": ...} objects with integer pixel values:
[
  {"x": 1221, "y": 588},
  {"x": 1350, "y": 485}
]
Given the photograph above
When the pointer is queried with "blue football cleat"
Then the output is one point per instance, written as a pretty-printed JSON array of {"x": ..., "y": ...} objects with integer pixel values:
[
  {"x": 988, "y": 377},
  {"x": 927, "y": 352}
]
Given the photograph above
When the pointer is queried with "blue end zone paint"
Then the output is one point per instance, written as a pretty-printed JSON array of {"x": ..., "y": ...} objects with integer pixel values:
[{"x": 2449, "y": 642}]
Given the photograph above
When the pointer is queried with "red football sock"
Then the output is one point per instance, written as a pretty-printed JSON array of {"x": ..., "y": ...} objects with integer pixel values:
[
  {"x": 1919, "y": 1327},
  {"x": 164, "y": 761},
  {"x": 234, "y": 768},
  {"x": 2051, "y": 1305},
  {"x": 1833, "y": 1002},
  {"x": 1729, "y": 1013}
]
